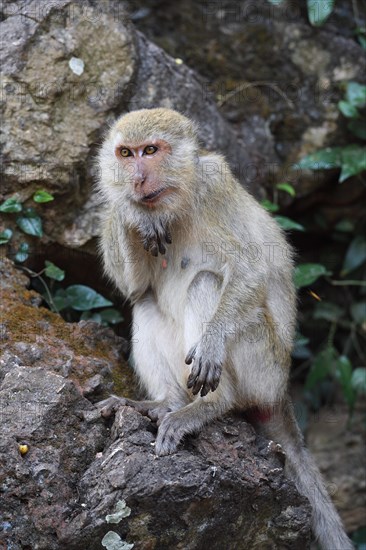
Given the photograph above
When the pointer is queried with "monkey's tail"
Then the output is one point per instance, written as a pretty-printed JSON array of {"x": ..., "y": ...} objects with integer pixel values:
[{"x": 327, "y": 526}]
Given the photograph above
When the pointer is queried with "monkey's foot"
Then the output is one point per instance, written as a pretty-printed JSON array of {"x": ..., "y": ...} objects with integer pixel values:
[
  {"x": 170, "y": 434},
  {"x": 205, "y": 374},
  {"x": 108, "y": 407},
  {"x": 155, "y": 410}
]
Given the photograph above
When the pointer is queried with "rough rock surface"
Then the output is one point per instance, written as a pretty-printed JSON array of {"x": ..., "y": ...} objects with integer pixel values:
[
  {"x": 63, "y": 87},
  {"x": 223, "y": 489}
]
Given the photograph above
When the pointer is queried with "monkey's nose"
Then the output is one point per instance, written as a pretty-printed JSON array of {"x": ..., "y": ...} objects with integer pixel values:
[{"x": 139, "y": 181}]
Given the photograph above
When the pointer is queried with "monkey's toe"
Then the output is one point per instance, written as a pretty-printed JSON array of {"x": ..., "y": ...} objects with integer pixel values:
[
  {"x": 158, "y": 414},
  {"x": 109, "y": 406},
  {"x": 169, "y": 436}
]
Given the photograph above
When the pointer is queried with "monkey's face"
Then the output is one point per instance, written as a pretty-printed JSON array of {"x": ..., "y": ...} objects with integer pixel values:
[
  {"x": 149, "y": 161},
  {"x": 143, "y": 167}
]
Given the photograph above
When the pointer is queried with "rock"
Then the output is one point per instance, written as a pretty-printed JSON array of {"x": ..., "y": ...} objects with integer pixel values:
[
  {"x": 68, "y": 481},
  {"x": 220, "y": 491},
  {"x": 86, "y": 353},
  {"x": 68, "y": 111}
]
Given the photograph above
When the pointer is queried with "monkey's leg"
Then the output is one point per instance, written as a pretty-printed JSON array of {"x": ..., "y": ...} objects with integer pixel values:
[{"x": 158, "y": 360}]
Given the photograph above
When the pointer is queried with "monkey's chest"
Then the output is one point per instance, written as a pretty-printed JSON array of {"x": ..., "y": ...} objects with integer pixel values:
[{"x": 185, "y": 283}]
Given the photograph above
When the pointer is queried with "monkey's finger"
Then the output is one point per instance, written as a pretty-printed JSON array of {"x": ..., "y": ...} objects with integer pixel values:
[
  {"x": 192, "y": 352},
  {"x": 154, "y": 249},
  {"x": 214, "y": 382},
  {"x": 162, "y": 248},
  {"x": 200, "y": 381},
  {"x": 195, "y": 372},
  {"x": 168, "y": 237}
]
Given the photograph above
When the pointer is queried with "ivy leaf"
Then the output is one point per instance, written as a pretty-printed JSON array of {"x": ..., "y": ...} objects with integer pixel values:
[
  {"x": 343, "y": 373},
  {"x": 325, "y": 159},
  {"x": 82, "y": 298},
  {"x": 11, "y": 205},
  {"x": 42, "y": 196},
  {"x": 356, "y": 94},
  {"x": 358, "y": 128},
  {"x": 321, "y": 367},
  {"x": 54, "y": 272},
  {"x": 91, "y": 316},
  {"x": 358, "y": 380},
  {"x": 287, "y": 187},
  {"x": 345, "y": 226},
  {"x": 353, "y": 161},
  {"x": 22, "y": 253},
  {"x": 355, "y": 256},
  {"x": 111, "y": 316},
  {"x": 347, "y": 109},
  {"x": 288, "y": 224},
  {"x": 306, "y": 274},
  {"x": 301, "y": 349},
  {"x": 30, "y": 223},
  {"x": 358, "y": 312},
  {"x": 60, "y": 299},
  {"x": 328, "y": 311},
  {"x": 270, "y": 206},
  {"x": 5, "y": 236},
  {"x": 319, "y": 11}
]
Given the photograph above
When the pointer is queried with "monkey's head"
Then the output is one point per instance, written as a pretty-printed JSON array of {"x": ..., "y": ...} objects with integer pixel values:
[{"x": 149, "y": 160}]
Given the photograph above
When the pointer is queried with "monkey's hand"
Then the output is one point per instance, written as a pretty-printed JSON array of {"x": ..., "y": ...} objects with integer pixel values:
[
  {"x": 156, "y": 240},
  {"x": 207, "y": 367}
]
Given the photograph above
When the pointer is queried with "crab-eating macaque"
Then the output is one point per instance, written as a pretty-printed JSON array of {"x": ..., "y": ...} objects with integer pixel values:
[{"x": 209, "y": 274}]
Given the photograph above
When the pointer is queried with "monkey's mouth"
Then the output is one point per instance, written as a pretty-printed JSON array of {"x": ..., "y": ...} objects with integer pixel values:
[{"x": 152, "y": 197}]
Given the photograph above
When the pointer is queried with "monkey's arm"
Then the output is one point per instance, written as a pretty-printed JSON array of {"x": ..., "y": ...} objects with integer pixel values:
[
  {"x": 124, "y": 257},
  {"x": 239, "y": 307}
]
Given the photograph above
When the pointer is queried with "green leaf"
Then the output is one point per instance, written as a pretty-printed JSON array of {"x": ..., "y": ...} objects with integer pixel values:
[
  {"x": 111, "y": 316},
  {"x": 288, "y": 224},
  {"x": 362, "y": 41},
  {"x": 328, "y": 311},
  {"x": 347, "y": 109},
  {"x": 42, "y": 196},
  {"x": 5, "y": 236},
  {"x": 54, "y": 272},
  {"x": 11, "y": 205},
  {"x": 30, "y": 223},
  {"x": 306, "y": 274},
  {"x": 358, "y": 312},
  {"x": 319, "y": 11},
  {"x": 356, "y": 94},
  {"x": 345, "y": 226},
  {"x": 321, "y": 367},
  {"x": 355, "y": 256},
  {"x": 287, "y": 187},
  {"x": 325, "y": 159},
  {"x": 91, "y": 316},
  {"x": 82, "y": 298},
  {"x": 22, "y": 253},
  {"x": 60, "y": 299},
  {"x": 353, "y": 160},
  {"x": 358, "y": 380},
  {"x": 301, "y": 350},
  {"x": 270, "y": 206},
  {"x": 358, "y": 128},
  {"x": 343, "y": 373},
  {"x": 276, "y": 2}
]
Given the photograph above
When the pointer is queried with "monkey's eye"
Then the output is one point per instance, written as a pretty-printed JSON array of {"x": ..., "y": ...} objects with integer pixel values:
[
  {"x": 150, "y": 149},
  {"x": 124, "y": 152}
]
